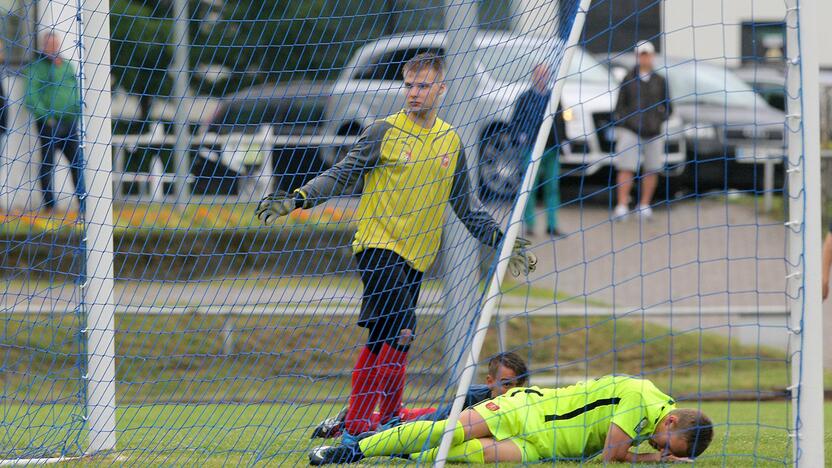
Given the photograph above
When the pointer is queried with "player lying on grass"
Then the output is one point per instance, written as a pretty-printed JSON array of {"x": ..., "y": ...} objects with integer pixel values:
[
  {"x": 505, "y": 371},
  {"x": 607, "y": 416}
]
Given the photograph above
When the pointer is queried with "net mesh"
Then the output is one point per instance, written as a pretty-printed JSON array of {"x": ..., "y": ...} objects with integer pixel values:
[{"x": 234, "y": 340}]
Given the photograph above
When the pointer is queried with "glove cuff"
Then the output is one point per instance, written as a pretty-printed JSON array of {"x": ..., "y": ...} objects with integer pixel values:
[{"x": 300, "y": 200}]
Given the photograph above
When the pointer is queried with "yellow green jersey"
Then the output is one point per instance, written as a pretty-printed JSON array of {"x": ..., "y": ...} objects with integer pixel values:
[
  {"x": 572, "y": 422},
  {"x": 410, "y": 173}
]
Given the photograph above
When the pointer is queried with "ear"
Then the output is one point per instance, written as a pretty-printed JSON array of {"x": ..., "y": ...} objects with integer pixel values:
[
  {"x": 489, "y": 380},
  {"x": 442, "y": 88},
  {"x": 670, "y": 420}
]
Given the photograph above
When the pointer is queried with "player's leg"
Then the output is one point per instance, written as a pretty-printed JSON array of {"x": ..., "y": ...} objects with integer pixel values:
[
  {"x": 420, "y": 435},
  {"x": 485, "y": 450},
  {"x": 363, "y": 394},
  {"x": 392, "y": 359},
  {"x": 409, "y": 438},
  {"x": 388, "y": 311}
]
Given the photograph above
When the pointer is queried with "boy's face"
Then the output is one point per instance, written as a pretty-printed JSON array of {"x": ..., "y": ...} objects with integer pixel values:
[
  {"x": 664, "y": 439},
  {"x": 423, "y": 88},
  {"x": 505, "y": 380}
]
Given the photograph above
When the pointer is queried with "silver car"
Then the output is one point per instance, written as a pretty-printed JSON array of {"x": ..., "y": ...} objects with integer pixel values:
[{"x": 370, "y": 87}]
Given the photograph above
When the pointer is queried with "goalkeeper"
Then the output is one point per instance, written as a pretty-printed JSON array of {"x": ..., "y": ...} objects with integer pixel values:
[
  {"x": 412, "y": 164},
  {"x": 505, "y": 371},
  {"x": 607, "y": 416}
]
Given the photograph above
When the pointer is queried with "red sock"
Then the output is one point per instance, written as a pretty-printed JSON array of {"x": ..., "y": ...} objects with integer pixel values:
[
  {"x": 409, "y": 414},
  {"x": 374, "y": 419},
  {"x": 391, "y": 364},
  {"x": 363, "y": 395}
]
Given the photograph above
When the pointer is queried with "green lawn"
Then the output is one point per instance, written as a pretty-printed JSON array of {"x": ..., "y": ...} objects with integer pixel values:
[
  {"x": 215, "y": 435},
  {"x": 167, "y": 365}
]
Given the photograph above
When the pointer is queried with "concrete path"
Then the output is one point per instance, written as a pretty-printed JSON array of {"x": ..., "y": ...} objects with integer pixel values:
[{"x": 700, "y": 254}]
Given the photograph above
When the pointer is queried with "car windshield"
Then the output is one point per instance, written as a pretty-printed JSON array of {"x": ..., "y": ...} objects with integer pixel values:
[
  {"x": 509, "y": 63},
  {"x": 704, "y": 83}
]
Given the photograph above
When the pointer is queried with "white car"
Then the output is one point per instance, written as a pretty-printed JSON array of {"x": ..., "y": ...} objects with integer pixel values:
[{"x": 370, "y": 87}]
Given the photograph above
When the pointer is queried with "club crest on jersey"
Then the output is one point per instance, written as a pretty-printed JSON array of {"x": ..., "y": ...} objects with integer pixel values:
[
  {"x": 640, "y": 426},
  {"x": 492, "y": 406},
  {"x": 446, "y": 160},
  {"x": 407, "y": 152}
]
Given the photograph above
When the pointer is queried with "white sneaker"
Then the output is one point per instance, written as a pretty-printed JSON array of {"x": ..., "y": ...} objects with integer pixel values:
[
  {"x": 620, "y": 213},
  {"x": 645, "y": 213}
]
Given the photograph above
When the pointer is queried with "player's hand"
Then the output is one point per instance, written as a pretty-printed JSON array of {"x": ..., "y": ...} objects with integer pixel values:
[
  {"x": 670, "y": 458},
  {"x": 275, "y": 205},
  {"x": 521, "y": 260}
]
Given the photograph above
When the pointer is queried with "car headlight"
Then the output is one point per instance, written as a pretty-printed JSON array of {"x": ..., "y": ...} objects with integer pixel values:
[{"x": 568, "y": 115}]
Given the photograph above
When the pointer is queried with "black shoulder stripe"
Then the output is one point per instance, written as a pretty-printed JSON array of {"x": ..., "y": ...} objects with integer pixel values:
[
  {"x": 527, "y": 390},
  {"x": 580, "y": 411}
]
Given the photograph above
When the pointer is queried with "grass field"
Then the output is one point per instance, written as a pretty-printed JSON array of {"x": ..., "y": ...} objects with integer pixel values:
[
  {"x": 747, "y": 433},
  {"x": 286, "y": 373}
]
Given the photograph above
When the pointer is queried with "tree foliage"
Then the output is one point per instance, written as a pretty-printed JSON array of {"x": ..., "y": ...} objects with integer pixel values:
[{"x": 140, "y": 48}]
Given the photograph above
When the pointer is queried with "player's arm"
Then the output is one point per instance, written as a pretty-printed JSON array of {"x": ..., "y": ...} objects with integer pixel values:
[
  {"x": 617, "y": 449},
  {"x": 343, "y": 176},
  {"x": 480, "y": 223},
  {"x": 333, "y": 182},
  {"x": 469, "y": 209}
]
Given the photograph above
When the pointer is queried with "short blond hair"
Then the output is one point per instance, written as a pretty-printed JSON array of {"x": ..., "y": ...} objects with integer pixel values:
[{"x": 425, "y": 60}]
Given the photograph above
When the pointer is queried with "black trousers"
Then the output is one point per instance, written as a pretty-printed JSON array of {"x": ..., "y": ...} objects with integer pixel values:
[{"x": 63, "y": 137}]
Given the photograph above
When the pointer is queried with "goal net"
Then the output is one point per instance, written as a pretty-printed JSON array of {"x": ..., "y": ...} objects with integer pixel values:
[{"x": 649, "y": 170}]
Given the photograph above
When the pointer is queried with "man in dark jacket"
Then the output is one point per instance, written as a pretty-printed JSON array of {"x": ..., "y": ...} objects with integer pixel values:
[
  {"x": 529, "y": 111},
  {"x": 53, "y": 98},
  {"x": 643, "y": 107}
]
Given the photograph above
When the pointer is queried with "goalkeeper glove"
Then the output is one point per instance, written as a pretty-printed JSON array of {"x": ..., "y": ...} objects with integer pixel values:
[
  {"x": 277, "y": 204},
  {"x": 521, "y": 260}
]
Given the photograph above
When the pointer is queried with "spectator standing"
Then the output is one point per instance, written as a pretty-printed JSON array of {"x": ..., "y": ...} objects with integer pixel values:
[
  {"x": 53, "y": 98},
  {"x": 529, "y": 112},
  {"x": 643, "y": 107}
]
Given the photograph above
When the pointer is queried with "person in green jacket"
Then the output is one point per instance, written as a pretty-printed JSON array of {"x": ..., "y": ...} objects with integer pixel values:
[{"x": 53, "y": 98}]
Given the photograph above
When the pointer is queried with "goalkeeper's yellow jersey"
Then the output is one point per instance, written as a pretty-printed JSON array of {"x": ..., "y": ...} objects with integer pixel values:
[{"x": 410, "y": 174}]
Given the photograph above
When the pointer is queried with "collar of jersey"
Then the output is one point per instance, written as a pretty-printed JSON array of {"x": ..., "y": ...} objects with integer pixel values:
[{"x": 403, "y": 122}]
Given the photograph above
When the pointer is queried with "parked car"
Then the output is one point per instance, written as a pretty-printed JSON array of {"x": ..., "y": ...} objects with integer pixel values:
[
  {"x": 730, "y": 130},
  {"x": 768, "y": 81},
  {"x": 291, "y": 109},
  {"x": 370, "y": 87}
]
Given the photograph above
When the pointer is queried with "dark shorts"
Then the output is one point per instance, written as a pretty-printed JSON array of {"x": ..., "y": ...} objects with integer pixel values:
[{"x": 391, "y": 292}]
